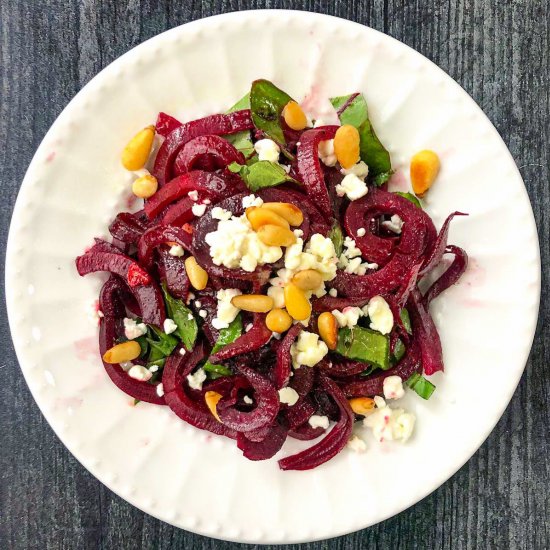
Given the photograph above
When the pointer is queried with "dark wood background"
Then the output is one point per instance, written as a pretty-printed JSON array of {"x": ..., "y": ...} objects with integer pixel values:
[{"x": 498, "y": 50}]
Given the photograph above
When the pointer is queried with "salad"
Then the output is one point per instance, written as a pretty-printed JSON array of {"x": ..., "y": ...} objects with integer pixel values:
[{"x": 270, "y": 287}]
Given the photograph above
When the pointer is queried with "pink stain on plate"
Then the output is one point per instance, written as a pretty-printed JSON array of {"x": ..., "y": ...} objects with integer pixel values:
[
  {"x": 130, "y": 200},
  {"x": 86, "y": 348},
  {"x": 398, "y": 182},
  {"x": 50, "y": 157},
  {"x": 475, "y": 275}
]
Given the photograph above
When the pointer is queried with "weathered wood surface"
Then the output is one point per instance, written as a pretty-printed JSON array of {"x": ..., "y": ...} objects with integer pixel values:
[{"x": 499, "y": 51}]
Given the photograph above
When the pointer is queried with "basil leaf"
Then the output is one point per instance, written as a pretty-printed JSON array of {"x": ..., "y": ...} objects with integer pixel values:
[
  {"x": 398, "y": 351},
  {"x": 406, "y": 320},
  {"x": 183, "y": 317},
  {"x": 227, "y": 335},
  {"x": 423, "y": 387},
  {"x": 352, "y": 109},
  {"x": 143, "y": 344},
  {"x": 243, "y": 103},
  {"x": 364, "y": 344},
  {"x": 161, "y": 346},
  {"x": 410, "y": 197},
  {"x": 337, "y": 238},
  {"x": 267, "y": 103},
  {"x": 261, "y": 174}
]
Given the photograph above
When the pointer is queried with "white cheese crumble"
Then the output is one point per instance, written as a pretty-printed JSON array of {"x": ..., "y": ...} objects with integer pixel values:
[
  {"x": 289, "y": 396},
  {"x": 307, "y": 350},
  {"x": 357, "y": 444},
  {"x": 350, "y": 260},
  {"x": 132, "y": 329},
  {"x": 248, "y": 327},
  {"x": 333, "y": 292},
  {"x": 352, "y": 187},
  {"x": 361, "y": 232},
  {"x": 361, "y": 170},
  {"x": 169, "y": 326},
  {"x": 248, "y": 400},
  {"x": 267, "y": 149},
  {"x": 277, "y": 293},
  {"x": 235, "y": 244},
  {"x": 94, "y": 313},
  {"x": 317, "y": 421},
  {"x": 198, "y": 303},
  {"x": 139, "y": 372},
  {"x": 195, "y": 380},
  {"x": 326, "y": 152},
  {"x": 176, "y": 250},
  {"x": 182, "y": 351},
  {"x": 394, "y": 224},
  {"x": 389, "y": 424},
  {"x": 348, "y": 317},
  {"x": 203, "y": 313},
  {"x": 226, "y": 311},
  {"x": 193, "y": 195},
  {"x": 153, "y": 368},
  {"x": 251, "y": 200},
  {"x": 126, "y": 365},
  {"x": 393, "y": 387},
  {"x": 160, "y": 390},
  {"x": 380, "y": 315},
  {"x": 220, "y": 213},
  {"x": 198, "y": 209}
]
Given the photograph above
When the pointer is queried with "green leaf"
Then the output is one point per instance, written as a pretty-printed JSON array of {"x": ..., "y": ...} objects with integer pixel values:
[
  {"x": 352, "y": 109},
  {"x": 267, "y": 103},
  {"x": 382, "y": 178},
  {"x": 423, "y": 387},
  {"x": 227, "y": 335},
  {"x": 406, "y": 320},
  {"x": 243, "y": 103},
  {"x": 183, "y": 317},
  {"x": 337, "y": 238},
  {"x": 261, "y": 174},
  {"x": 161, "y": 346},
  {"x": 143, "y": 344},
  {"x": 398, "y": 351},
  {"x": 136, "y": 401},
  {"x": 410, "y": 197},
  {"x": 364, "y": 344}
]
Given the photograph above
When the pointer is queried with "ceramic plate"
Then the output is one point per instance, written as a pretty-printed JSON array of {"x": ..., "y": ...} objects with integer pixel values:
[{"x": 75, "y": 184}]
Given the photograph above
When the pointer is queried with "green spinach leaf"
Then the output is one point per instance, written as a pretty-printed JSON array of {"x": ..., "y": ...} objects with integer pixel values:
[
  {"x": 227, "y": 335},
  {"x": 364, "y": 344},
  {"x": 261, "y": 174},
  {"x": 267, "y": 103},
  {"x": 410, "y": 197},
  {"x": 243, "y": 103},
  {"x": 423, "y": 387},
  {"x": 352, "y": 109},
  {"x": 337, "y": 238},
  {"x": 241, "y": 140},
  {"x": 183, "y": 317},
  {"x": 161, "y": 345}
]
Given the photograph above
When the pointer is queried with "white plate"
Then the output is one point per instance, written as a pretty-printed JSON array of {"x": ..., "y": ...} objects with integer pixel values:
[{"x": 75, "y": 185}]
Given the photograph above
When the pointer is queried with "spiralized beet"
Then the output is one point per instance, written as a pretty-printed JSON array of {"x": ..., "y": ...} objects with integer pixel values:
[
  {"x": 245, "y": 364},
  {"x": 214, "y": 124},
  {"x": 333, "y": 442}
]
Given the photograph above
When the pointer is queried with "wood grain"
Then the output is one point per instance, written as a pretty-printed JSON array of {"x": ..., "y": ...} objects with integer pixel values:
[{"x": 497, "y": 50}]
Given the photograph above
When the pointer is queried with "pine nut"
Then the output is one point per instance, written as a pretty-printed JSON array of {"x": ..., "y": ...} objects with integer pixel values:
[
  {"x": 278, "y": 320},
  {"x": 145, "y": 186},
  {"x": 361, "y": 405},
  {"x": 327, "y": 325},
  {"x": 138, "y": 149},
  {"x": 424, "y": 169},
  {"x": 291, "y": 213},
  {"x": 346, "y": 145},
  {"x": 127, "y": 351},
  {"x": 261, "y": 216},
  {"x": 296, "y": 303},
  {"x": 257, "y": 303},
  {"x": 274, "y": 235},
  {"x": 294, "y": 116},
  {"x": 197, "y": 275},
  {"x": 308, "y": 279}
]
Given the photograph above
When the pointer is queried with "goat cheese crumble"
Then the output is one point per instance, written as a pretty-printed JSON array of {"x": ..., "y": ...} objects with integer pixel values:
[
  {"x": 226, "y": 311},
  {"x": 352, "y": 187},
  {"x": 267, "y": 149},
  {"x": 389, "y": 424},
  {"x": 196, "y": 380},
  {"x": 289, "y": 396},
  {"x": 317, "y": 421},
  {"x": 133, "y": 329},
  {"x": 307, "y": 350}
]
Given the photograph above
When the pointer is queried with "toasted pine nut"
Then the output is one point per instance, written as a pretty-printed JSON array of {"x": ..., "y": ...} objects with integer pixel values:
[
  {"x": 291, "y": 213},
  {"x": 278, "y": 320},
  {"x": 424, "y": 169},
  {"x": 361, "y": 405},
  {"x": 294, "y": 116},
  {"x": 211, "y": 398},
  {"x": 138, "y": 149},
  {"x": 197, "y": 275},
  {"x": 307, "y": 279},
  {"x": 261, "y": 216},
  {"x": 127, "y": 351},
  {"x": 257, "y": 303},
  {"x": 274, "y": 235},
  {"x": 346, "y": 145},
  {"x": 145, "y": 186},
  {"x": 296, "y": 303},
  {"x": 328, "y": 329}
]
